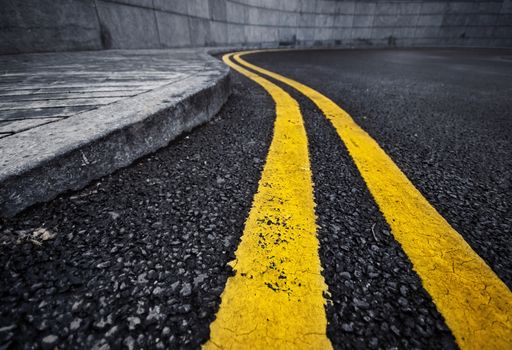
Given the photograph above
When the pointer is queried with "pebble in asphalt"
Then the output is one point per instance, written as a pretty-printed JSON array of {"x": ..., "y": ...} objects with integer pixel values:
[
  {"x": 138, "y": 258},
  {"x": 443, "y": 116}
]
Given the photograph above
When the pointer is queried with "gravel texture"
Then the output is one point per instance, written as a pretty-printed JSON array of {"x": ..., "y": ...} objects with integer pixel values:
[
  {"x": 377, "y": 301},
  {"x": 138, "y": 258},
  {"x": 443, "y": 115}
]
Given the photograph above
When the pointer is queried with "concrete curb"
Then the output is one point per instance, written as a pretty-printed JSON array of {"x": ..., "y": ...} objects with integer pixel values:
[{"x": 97, "y": 146}]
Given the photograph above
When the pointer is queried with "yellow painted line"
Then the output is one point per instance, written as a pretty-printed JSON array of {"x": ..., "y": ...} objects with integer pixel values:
[
  {"x": 275, "y": 300},
  {"x": 475, "y": 303}
]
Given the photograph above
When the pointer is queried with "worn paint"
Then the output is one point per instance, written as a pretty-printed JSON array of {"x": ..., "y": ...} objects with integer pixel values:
[
  {"x": 475, "y": 303},
  {"x": 275, "y": 300}
]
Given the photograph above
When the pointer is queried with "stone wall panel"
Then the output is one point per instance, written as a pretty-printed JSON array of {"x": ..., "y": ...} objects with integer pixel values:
[{"x": 60, "y": 25}]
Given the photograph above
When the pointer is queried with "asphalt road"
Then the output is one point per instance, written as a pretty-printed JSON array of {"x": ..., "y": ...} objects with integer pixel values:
[{"x": 139, "y": 258}]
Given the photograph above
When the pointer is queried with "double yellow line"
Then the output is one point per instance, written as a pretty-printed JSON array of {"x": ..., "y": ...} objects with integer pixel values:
[{"x": 275, "y": 300}]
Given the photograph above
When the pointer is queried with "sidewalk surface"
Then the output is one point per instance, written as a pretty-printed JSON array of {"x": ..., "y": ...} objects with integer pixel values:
[{"x": 67, "y": 118}]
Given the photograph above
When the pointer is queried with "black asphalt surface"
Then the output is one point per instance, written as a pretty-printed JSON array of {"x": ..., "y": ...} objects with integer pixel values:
[
  {"x": 445, "y": 118},
  {"x": 138, "y": 259}
]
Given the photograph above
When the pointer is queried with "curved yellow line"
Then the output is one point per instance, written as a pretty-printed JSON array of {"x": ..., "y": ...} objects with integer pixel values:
[
  {"x": 275, "y": 300},
  {"x": 475, "y": 303}
]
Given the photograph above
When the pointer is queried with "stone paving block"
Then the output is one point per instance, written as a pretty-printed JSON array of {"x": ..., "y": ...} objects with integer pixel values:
[
  {"x": 115, "y": 19},
  {"x": 42, "y": 161},
  {"x": 54, "y": 112},
  {"x": 14, "y": 126},
  {"x": 173, "y": 29},
  {"x": 6, "y": 97},
  {"x": 17, "y": 105}
]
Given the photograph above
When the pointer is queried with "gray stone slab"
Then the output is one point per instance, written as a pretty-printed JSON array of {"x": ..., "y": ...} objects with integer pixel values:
[
  {"x": 74, "y": 90},
  {"x": 345, "y": 7},
  {"x": 176, "y": 6},
  {"x": 395, "y": 21},
  {"x": 218, "y": 10},
  {"x": 429, "y": 20},
  {"x": 75, "y": 102},
  {"x": 236, "y": 13},
  {"x": 287, "y": 36},
  {"x": 506, "y": 8},
  {"x": 64, "y": 95},
  {"x": 218, "y": 33},
  {"x": 363, "y": 21},
  {"x": 14, "y": 126},
  {"x": 199, "y": 8},
  {"x": 174, "y": 29},
  {"x": 60, "y": 25},
  {"x": 199, "y": 31},
  {"x": 504, "y": 20},
  {"x": 54, "y": 112},
  {"x": 343, "y": 21},
  {"x": 43, "y": 161},
  {"x": 127, "y": 27},
  {"x": 236, "y": 33}
]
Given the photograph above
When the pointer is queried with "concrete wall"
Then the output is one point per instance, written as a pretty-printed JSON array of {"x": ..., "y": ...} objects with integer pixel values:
[{"x": 53, "y": 25}]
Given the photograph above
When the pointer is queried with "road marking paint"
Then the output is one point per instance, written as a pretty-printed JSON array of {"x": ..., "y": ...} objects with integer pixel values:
[
  {"x": 475, "y": 303},
  {"x": 275, "y": 300}
]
